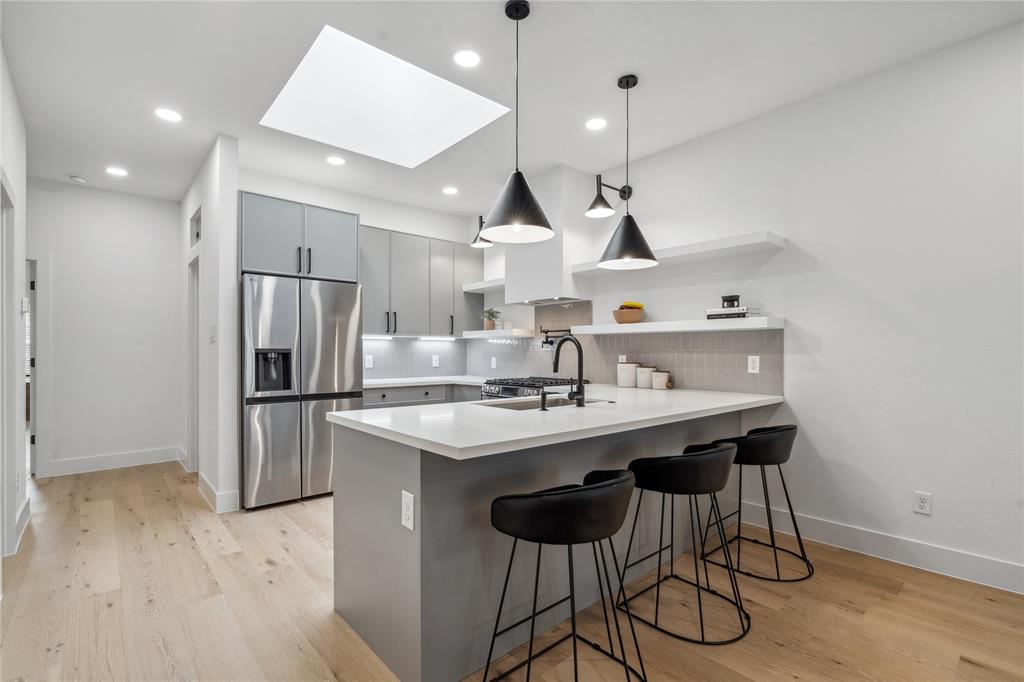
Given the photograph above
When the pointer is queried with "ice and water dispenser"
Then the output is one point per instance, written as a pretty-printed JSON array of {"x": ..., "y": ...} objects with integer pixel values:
[{"x": 273, "y": 370}]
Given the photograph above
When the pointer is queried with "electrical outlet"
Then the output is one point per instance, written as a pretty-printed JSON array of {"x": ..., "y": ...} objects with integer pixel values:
[
  {"x": 408, "y": 509},
  {"x": 753, "y": 364},
  {"x": 494, "y": 363},
  {"x": 922, "y": 503},
  {"x": 435, "y": 360},
  {"x": 368, "y": 361},
  {"x": 622, "y": 358}
]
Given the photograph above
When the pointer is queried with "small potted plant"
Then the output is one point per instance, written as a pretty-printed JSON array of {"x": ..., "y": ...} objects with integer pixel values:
[{"x": 490, "y": 317}]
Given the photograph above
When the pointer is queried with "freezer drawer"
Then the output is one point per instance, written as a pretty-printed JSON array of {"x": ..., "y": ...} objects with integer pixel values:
[
  {"x": 318, "y": 443},
  {"x": 332, "y": 341},
  {"x": 270, "y": 453}
]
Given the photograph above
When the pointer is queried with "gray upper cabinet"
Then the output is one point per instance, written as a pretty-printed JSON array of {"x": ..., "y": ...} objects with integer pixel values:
[
  {"x": 410, "y": 290},
  {"x": 469, "y": 308},
  {"x": 375, "y": 276},
  {"x": 271, "y": 235},
  {"x": 330, "y": 243},
  {"x": 442, "y": 285}
]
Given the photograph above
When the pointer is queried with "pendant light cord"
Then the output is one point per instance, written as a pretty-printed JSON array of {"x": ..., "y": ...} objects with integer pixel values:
[
  {"x": 517, "y": 95},
  {"x": 627, "y": 148}
]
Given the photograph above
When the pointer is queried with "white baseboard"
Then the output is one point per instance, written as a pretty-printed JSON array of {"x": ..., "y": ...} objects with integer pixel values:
[
  {"x": 116, "y": 460},
  {"x": 20, "y": 525},
  {"x": 220, "y": 502},
  {"x": 183, "y": 460},
  {"x": 978, "y": 568}
]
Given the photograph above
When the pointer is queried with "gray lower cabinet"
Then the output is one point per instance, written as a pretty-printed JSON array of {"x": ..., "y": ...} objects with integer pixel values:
[
  {"x": 375, "y": 276},
  {"x": 442, "y": 286},
  {"x": 272, "y": 235},
  {"x": 410, "y": 284},
  {"x": 458, "y": 393},
  {"x": 404, "y": 395},
  {"x": 468, "y": 266},
  {"x": 271, "y": 441},
  {"x": 330, "y": 241}
]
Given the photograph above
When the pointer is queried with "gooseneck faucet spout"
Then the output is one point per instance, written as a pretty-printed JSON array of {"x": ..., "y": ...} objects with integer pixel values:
[{"x": 578, "y": 394}]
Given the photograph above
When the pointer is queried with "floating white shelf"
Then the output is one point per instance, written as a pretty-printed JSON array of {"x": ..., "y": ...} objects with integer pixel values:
[
  {"x": 736, "y": 245},
  {"x": 497, "y": 333},
  {"x": 483, "y": 286},
  {"x": 727, "y": 325}
]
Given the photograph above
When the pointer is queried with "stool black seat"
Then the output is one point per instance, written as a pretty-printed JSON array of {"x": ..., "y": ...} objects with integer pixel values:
[
  {"x": 764, "y": 447},
  {"x": 568, "y": 515},
  {"x": 702, "y": 469}
]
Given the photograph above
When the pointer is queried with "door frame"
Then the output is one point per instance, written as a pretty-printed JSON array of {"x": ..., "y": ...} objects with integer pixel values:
[
  {"x": 9, "y": 419},
  {"x": 31, "y": 350},
  {"x": 192, "y": 385}
]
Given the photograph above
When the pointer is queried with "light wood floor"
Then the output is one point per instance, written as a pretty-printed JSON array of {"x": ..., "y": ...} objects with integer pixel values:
[{"x": 127, "y": 575}]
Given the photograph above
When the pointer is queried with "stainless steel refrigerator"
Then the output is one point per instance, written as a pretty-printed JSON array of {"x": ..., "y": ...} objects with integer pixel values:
[{"x": 301, "y": 358}]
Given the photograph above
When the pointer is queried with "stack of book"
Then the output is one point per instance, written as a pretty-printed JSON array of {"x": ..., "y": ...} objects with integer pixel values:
[{"x": 729, "y": 313}]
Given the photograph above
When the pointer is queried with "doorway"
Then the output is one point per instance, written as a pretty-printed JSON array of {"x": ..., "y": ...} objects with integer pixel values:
[
  {"x": 31, "y": 385},
  {"x": 9, "y": 487},
  {"x": 193, "y": 365}
]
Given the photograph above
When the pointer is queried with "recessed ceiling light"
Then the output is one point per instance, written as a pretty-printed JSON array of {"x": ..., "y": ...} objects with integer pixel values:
[
  {"x": 335, "y": 160},
  {"x": 168, "y": 115},
  {"x": 450, "y": 190},
  {"x": 596, "y": 124},
  {"x": 77, "y": 179},
  {"x": 341, "y": 78},
  {"x": 466, "y": 58},
  {"x": 116, "y": 171}
]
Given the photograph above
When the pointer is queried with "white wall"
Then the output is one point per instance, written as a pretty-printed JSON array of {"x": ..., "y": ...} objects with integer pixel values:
[
  {"x": 13, "y": 172},
  {"x": 901, "y": 195},
  {"x": 376, "y": 212},
  {"x": 109, "y": 319},
  {"x": 215, "y": 191}
]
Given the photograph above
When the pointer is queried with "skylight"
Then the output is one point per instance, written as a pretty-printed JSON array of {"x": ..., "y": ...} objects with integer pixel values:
[{"x": 351, "y": 95}]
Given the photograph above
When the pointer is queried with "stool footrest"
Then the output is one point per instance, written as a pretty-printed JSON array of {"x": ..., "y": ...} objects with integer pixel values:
[
  {"x": 526, "y": 620},
  {"x": 563, "y": 638},
  {"x": 628, "y": 566}
]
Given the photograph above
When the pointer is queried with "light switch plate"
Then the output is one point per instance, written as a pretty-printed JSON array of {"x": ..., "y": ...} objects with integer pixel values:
[
  {"x": 408, "y": 510},
  {"x": 753, "y": 364},
  {"x": 368, "y": 361},
  {"x": 622, "y": 358},
  {"x": 494, "y": 363},
  {"x": 435, "y": 360}
]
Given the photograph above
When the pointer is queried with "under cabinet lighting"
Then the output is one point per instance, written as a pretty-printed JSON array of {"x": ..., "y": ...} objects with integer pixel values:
[
  {"x": 376, "y": 337},
  {"x": 438, "y": 338}
]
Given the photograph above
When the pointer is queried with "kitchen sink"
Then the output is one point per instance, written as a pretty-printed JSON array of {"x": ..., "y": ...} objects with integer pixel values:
[{"x": 534, "y": 403}]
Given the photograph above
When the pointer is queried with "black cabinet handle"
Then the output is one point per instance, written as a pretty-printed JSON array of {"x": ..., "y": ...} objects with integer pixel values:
[
  {"x": 298, "y": 257},
  {"x": 426, "y": 393},
  {"x": 309, "y": 260},
  {"x": 387, "y": 321},
  {"x": 394, "y": 324},
  {"x": 451, "y": 325}
]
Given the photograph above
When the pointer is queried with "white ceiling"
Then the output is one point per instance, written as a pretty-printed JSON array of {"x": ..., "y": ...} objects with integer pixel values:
[{"x": 89, "y": 74}]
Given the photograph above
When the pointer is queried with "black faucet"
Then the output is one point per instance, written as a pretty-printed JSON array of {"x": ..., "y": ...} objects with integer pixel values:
[{"x": 576, "y": 395}]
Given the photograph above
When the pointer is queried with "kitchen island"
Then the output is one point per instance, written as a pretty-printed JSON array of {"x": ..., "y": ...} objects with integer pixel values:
[{"x": 425, "y": 598}]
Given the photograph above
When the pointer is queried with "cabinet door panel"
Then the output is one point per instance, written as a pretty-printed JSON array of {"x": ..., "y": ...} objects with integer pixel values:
[
  {"x": 331, "y": 244},
  {"x": 469, "y": 308},
  {"x": 375, "y": 276},
  {"x": 442, "y": 299},
  {"x": 271, "y": 235},
  {"x": 410, "y": 284}
]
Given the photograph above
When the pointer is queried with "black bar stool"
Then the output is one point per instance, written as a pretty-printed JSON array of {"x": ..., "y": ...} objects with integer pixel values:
[
  {"x": 700, "y": 470},
  {"x": 766, "y": 446},
  {"x": 568, "y": 515}
]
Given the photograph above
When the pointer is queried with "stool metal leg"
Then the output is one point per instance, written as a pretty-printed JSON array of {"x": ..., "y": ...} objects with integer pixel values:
[
  {"x": 696, "y": 571},
  {"x": 618, "y": 631},
  {"x": 661, "y": 543},
  {"x": 501, "y": 605},
  {"x": 629, "y": 616},
  {"x": 739, "y": 519},
  {"x": 572, "y": 616},
  {"x": 740, "y": 611},
  {"x": 796, "y": 526},
  {"x": 771, "y": 527},
  {"x": 600, "y": 588},
  {"x": 533, "y": 613}
]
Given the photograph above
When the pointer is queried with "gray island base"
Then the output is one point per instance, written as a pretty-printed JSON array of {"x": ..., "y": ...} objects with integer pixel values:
[{"x": 425, "y": 599}]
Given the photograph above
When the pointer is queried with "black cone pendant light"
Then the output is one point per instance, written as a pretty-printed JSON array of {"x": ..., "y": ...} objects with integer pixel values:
[
  {"x": 479, "y": 242},
  {"x": 516, "y": 217},
  {"x": 627, "y": 249}
]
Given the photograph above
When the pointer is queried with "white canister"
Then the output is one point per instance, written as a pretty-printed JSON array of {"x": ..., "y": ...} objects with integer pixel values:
[
  {"x": 661, "y": 380},
  {"x": 627, "y": 374},
  {"x": 643, "y": 376}
]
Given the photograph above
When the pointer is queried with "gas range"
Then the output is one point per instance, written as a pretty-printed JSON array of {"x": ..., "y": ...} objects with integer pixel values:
[{"x": 518, "y": 387}]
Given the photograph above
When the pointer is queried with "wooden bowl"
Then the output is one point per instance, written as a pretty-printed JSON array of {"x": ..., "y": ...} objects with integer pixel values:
[{"x": 628, "y": 315}]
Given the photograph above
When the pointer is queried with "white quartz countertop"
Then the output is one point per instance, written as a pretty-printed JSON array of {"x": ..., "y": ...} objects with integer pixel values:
[
  {"x": 460, "y": 379},
  {"x": 474, "y": 429}
]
